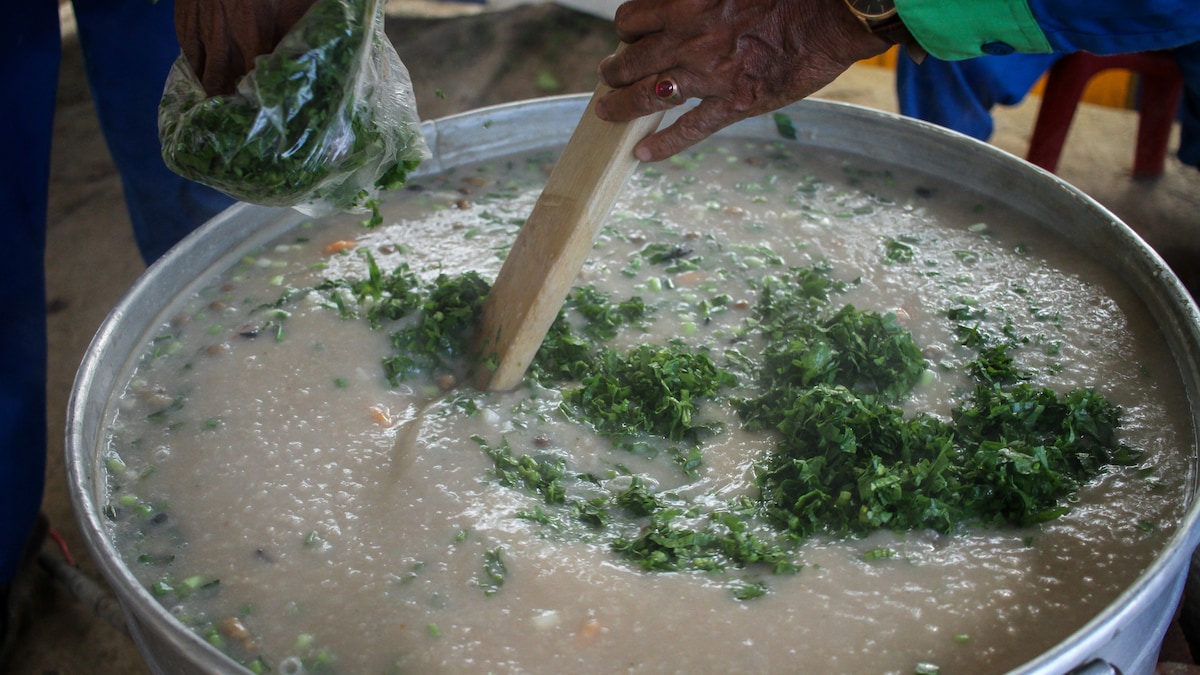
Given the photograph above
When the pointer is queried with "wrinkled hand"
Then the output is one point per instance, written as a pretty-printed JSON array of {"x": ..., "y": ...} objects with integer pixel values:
[
  {"x": 221, "y": 38},
  {"x": 739, "y": 57}
]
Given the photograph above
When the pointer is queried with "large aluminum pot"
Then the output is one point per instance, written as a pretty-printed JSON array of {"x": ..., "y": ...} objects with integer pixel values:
[{"x": 1122, "y": 638}]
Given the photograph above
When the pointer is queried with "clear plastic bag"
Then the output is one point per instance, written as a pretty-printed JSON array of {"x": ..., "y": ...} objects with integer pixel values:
[{"x": 322, "y": 124}]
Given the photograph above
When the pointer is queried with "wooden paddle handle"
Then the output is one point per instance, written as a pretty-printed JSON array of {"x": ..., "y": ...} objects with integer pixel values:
[{"x": 554, "y": 243}]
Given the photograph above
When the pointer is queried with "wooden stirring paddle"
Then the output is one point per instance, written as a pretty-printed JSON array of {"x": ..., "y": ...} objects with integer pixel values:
[{"x": 554, "y": 243}]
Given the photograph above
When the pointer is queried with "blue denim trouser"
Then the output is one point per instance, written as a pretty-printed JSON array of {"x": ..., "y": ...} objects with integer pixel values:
[{"x": 128, "y": 48}]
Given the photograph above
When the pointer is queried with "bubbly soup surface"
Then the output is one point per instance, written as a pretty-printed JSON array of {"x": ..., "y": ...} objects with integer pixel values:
[{"x": 273, "y": 489}]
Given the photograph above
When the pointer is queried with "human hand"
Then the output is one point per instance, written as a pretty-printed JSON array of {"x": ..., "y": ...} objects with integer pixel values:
[
  {"x": 221, "y": 38},
  {"x": 739, "y": 57}
]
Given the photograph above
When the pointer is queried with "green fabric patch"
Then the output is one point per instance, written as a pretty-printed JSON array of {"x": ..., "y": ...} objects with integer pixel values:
[{"x": 959, "y": 30}]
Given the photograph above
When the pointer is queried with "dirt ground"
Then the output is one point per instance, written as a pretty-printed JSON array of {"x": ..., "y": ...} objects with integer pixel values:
[{"x": 475, "y": 61}]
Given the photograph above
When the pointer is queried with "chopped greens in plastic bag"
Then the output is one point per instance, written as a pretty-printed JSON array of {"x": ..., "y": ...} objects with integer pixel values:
[{"x": 322, "y": 124}]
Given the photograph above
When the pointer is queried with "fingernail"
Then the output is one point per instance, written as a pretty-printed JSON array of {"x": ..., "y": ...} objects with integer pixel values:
[{"x": 643, "y": 154}]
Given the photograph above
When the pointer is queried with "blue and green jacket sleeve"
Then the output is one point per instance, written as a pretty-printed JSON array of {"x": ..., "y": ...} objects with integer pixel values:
[{"x": 961, "y": 29}]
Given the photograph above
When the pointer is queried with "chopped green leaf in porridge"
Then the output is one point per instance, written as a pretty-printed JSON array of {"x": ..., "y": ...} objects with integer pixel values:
[{"x": 780, "y": 407}]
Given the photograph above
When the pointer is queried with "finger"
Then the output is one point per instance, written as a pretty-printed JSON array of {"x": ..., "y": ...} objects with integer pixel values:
[
  {"x": 637, "y": 60},
  {"x": 637, "y": 18},
  {"x": 651, "y": 94},
  {"x": 221, "y": 38},
  {"x": 290, "y": 11},
  {"x": 692, "y": 127}
]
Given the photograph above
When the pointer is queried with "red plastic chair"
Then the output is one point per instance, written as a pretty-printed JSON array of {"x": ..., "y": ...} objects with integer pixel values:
[{"x": 1161, "y": 89}]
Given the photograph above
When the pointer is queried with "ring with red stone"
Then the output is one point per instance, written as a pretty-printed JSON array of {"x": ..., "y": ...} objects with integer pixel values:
[{"x": 666, "y": 90}]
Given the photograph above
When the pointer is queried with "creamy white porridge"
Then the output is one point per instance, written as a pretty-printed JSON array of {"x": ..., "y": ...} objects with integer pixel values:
[{"x": 308, "y": 509}]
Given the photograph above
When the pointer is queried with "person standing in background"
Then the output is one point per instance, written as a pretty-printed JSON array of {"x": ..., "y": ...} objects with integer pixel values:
[{"x": 128, "y": 46}]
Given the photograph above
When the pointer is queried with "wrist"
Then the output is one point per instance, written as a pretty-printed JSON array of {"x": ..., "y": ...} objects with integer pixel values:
[
  {"x": 881, "y": 19},
  {"x": 852, "y": 40}
]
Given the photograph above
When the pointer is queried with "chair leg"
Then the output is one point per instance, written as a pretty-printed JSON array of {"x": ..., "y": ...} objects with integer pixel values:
[
  {"x": 1064, "y": 88},
  {"x": 1160, "y": 96},
  {"x": 1157, "y": 110}
]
